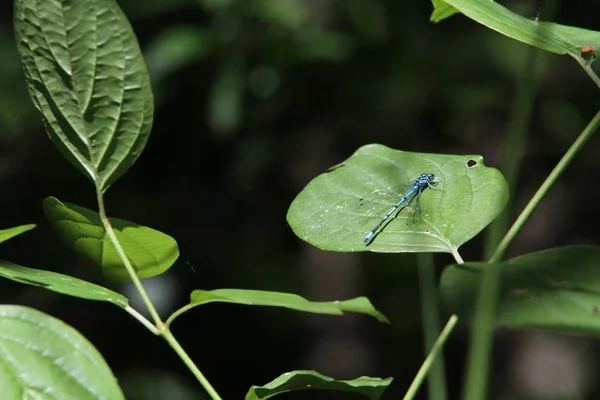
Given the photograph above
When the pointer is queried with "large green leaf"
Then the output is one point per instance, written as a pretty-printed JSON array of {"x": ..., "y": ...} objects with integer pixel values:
[
  {"x": 151, "y": 252},
  {"x": 45, "y": 359},
  {"x": 86, "y": 75},
  {"x": 60, "y": 283},
  {"x": 10, "y": 233},
  {"x": 337, "y": 209},
  {"x": 360, "y": 305},
  {"x": 372, "y": 388},
  {"x": 556, "y": 38},
  {"x": 555, "y": 289}
]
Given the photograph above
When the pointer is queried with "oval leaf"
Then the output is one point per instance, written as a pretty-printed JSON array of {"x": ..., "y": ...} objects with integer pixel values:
[
  {"x": 556, "y": 38},
  {"x": 360, "y": 305},
  {"x": 60, "y": 283},
  {"x": 86, "y": 75},
  {"x": 337, "y": 209},
  {"x": 44, "y": 358},
  {"x": 10, "y": 233},
  {"x": 151, "y": 252},
  {"x": 372, "y": 388},
  {"x": 553, "y": 289}
]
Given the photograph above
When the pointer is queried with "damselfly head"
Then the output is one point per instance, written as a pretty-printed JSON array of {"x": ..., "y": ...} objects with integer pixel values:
[{"x": 429, "y": 178}]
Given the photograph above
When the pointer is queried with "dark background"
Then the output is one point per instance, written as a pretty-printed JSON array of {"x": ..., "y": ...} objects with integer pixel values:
[{"x": 253, "y": 99}]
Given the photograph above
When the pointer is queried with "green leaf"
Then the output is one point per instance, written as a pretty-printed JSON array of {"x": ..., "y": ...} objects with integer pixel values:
[
  {"x": 60, "y": 283},
  {"x": 360, "y": 305},
  {"x": 372, "y": 388},
  {"x": 555, "y": 38},
  {"x": 6, "y": 234},
  {"x": 86, "y": 75},
  {"x": 553, "y": 289},
  {"x": 43, "y": 358},
  {"x": 441, "y": 10},
  {"x": 151, "y": 252},
  {"x": 337, "y": 209}
]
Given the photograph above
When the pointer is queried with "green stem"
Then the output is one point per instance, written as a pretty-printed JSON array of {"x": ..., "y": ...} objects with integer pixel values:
[
  {"x": 115, "y": 242},
  {"x": 160, "y": 328},
  {"x": 457, "y": 256},
  {"x": 587, "y": 67},
  {"x": 177, "y": 313},
  {"x": 143, "y": 320},
  {"x": 437, "y": 348},
  {"x": 482, "y": 335},
  {"x": 589, "y": 130},
  {"x": 190, "y": 364},
  {"x": 428, "y": 291}
]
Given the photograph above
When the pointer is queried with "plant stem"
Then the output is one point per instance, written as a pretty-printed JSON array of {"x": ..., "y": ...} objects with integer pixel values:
[
  {"x": 437, "y": 347},
  {"x": 160, "y": 328},
  {"x": 115, "y": 242},
  {"x": 587, "y": 67},
  {"x": 177, "y": 313},
  {"x": 436, "y": 382},
  {"x": 143, "y": 320},
  {"x": 589, "y": 130},
  {"x": 457, "y": 256},
  {"x": 482, "y": 336},
  {"x": 190, "y": 364}
]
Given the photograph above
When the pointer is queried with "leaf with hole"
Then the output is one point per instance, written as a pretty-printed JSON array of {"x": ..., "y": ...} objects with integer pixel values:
[
  {"x": 151, "y": 252},
  {"x": 553, "y": 289},
  {"x": 86, "y": 75},
  {"x": 43, "y": 358},
  {"x": 372, "y": 388},
  {"x": 360, "y": 305},
  {"x": 337, "y": 209}
]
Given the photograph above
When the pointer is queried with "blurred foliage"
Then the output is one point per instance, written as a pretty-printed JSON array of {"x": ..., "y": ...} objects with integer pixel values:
[{"x": 253, "y": 99}]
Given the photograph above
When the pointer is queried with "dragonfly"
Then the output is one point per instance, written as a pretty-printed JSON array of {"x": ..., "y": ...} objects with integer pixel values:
[{"x": 412, "y": 194}]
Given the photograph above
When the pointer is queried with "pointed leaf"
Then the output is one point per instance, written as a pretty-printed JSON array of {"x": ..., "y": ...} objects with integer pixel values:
[
  {"x": 556, "y": 38},
  {"x": 86, "y": 75},
  {"x": 441, "y": 10},
  {"x": 60, "y": 283},
  {"x": 10, "y": 233},
  {"x": 360, "y": 305},
  {"x": 44, "y": 358},
  {"x": 372, "y": 388},
  {"x": 553, "y": 289},
  {"x": 337, "y": 209},
  {"x": 151, "y": 252}
]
